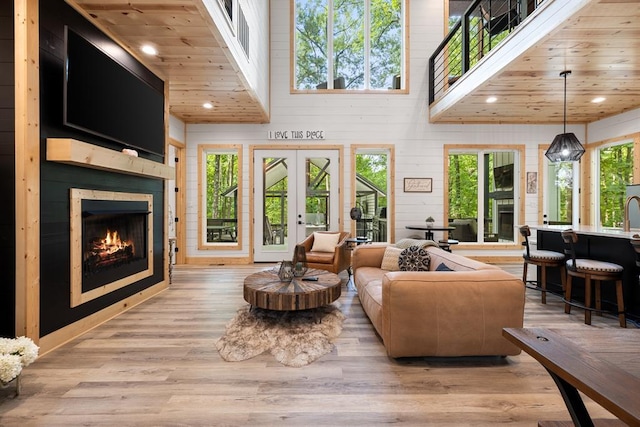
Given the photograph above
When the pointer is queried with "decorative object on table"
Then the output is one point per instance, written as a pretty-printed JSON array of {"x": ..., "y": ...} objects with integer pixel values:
[
  {"x": 430, "y": 221},
  {"x": 294, "y": 338},
  {"x": 418, "y": 185},
  {"x": 299, "y": 261},
  {"x": 285, "y": 272},
  {"x": 15, "y": 354},
  {"x": 565, "y": 147}
]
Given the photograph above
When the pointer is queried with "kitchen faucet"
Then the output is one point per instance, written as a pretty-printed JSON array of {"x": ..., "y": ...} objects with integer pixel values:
[{"x": 627, "y": 202}]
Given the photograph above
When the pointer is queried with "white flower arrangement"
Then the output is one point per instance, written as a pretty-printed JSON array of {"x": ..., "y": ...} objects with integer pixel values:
[{"x": 15, "y": 354}]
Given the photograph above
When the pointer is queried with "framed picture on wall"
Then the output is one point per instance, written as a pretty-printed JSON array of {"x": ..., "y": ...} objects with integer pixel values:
[
  {"x": 532, "y": 182},
  {"x": 418, "y": 185}
]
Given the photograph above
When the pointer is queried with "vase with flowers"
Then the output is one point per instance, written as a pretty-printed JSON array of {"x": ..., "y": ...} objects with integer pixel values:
[
  {"x": 430, "y": 221},
  {"x": 15, "y": 354}
]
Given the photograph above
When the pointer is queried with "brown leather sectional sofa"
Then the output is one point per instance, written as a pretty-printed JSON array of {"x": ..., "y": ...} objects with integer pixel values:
[{"x": 439, "y": 313}]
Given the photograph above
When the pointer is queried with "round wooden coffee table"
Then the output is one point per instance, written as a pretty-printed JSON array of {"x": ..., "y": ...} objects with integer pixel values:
[{"x": 265, "y": 290}]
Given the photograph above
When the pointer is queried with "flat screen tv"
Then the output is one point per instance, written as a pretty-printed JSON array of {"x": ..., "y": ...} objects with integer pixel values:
[
  {"x": 503, "y": 177},
  {"x": 107, "y": 99}
]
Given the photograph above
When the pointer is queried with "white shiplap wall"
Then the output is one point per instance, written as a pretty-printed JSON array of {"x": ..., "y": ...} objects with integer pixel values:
[{"x": 348, "y": 119}]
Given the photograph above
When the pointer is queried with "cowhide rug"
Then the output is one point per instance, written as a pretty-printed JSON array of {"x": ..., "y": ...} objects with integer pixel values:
[{"x": 294, "y": 338}]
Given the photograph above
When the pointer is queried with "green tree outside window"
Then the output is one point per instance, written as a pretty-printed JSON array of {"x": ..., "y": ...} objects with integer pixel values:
[{"x": 346, "y": 54}]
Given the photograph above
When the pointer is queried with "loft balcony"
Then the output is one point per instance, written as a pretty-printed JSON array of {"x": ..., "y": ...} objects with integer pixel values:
[{"x": 519, "y": 62}]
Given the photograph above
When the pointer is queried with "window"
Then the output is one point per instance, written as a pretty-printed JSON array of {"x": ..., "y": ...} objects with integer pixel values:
[
  {"x": 482, "y": 189},
  {"x": 352, "y": 45},
  {"x": 220, "y": 196},
  {"x": 561, "y": 193},
  {"x": 615, "y": 173},
  {"x": 373, "y": 169}
]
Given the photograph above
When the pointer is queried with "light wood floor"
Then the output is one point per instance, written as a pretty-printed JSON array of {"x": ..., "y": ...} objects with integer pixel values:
[{"x": 157, "y": 365}]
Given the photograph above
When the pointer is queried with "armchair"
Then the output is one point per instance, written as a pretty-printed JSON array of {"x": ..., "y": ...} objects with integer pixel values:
[{"x": 336, "y": 261}]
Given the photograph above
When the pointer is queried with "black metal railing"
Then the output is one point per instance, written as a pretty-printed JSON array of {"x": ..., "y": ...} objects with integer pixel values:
[{"x": 482, "y": 27}]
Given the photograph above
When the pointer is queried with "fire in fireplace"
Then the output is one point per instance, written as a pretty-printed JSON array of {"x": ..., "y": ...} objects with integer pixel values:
[{"x": 115, "y": 236}]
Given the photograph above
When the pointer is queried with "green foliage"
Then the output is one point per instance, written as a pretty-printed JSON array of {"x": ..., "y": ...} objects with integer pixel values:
[
  {"x": 562, "y": 192},
  {"x": 463, "y": 186},
  {"x": 616, "y": 172},
  {"x": 222, "y": 175},
  {"x": 373, "y": 167},
  {"x": 348, "y": 39},
  {"x": 480, "y": 43}
]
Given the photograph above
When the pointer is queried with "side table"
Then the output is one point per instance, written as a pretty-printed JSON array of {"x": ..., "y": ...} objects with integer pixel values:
[{"x": 352, "y": 243}]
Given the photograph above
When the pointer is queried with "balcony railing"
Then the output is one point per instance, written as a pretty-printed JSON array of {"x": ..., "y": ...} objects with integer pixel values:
[{"x": 482, "y": 27}]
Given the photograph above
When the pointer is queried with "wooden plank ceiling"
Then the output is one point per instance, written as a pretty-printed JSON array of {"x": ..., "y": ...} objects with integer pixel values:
[
  {"x": 600, "y": 44},
  {"x": 191, "y": 56}
]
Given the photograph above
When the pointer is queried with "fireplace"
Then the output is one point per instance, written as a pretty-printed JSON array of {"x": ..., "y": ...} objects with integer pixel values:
[
  {"x": 505, "y": 222},
  {"x": 114, "y": 240},
  {"x": 111, "y": 242}
]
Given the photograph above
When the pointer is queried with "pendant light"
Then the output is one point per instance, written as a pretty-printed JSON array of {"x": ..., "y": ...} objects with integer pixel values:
[{"x": 565, "y": 147}]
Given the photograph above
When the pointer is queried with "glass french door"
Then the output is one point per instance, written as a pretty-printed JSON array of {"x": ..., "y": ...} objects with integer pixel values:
[{"x": 296, "y": 193}]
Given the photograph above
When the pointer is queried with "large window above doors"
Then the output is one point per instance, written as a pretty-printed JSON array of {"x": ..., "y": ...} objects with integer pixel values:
[
  {"x": 219, "y": 204},
  {"x": 350, "y": 45},
  {"x": 483, "y": 187}
]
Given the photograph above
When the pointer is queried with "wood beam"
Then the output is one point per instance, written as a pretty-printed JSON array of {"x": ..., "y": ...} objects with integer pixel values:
[{"x": 27, "y": 164}]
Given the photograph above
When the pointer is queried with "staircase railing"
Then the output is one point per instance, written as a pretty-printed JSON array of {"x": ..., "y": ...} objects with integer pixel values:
[{"x": 482, "y": 27}]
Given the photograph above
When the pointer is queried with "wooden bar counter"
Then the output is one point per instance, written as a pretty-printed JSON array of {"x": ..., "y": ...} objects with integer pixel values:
[{"x": 603, "y": 244}]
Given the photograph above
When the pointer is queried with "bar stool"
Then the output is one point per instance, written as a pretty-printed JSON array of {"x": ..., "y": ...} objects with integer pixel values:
[
  {"x": 588, "y": 269},
  {"x": 542, "y": 259}
]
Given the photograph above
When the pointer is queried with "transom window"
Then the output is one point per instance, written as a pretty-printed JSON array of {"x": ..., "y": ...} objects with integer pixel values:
[{"x": 349, "y": 44}]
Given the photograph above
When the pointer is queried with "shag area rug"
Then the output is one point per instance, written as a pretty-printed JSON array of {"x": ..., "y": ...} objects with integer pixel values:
[{"x": 294, "y": 338}]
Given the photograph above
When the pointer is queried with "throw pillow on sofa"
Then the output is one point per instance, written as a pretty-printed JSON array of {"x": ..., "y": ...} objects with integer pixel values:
[
  {"x": 443, "y": 267},
  {"x": 414, "y": 258},
  {"x": 325, "y": 242},
  {"x": 408, "y": 242},
  {"x": 390, "y": 259}
]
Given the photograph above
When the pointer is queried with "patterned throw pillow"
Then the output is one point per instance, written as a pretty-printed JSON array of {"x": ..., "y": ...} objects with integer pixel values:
[
  {"x": 390, "y": 258},
  {"x": 414, "y": 258}
]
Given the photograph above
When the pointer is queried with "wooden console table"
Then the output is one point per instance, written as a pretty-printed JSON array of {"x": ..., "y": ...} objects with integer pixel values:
[
  {"x": 601, "y": 363},
  {"x": 265, "y": 290}
]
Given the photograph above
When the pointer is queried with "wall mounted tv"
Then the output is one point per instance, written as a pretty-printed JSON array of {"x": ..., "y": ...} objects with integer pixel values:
[
  {"x": 503, "y": 177},
  {"x": 107, "y": 99}
]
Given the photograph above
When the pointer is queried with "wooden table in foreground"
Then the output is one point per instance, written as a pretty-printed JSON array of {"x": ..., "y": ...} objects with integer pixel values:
[
  {"x": 265, "y": 290},
  {"x": 604, "y": 364}
]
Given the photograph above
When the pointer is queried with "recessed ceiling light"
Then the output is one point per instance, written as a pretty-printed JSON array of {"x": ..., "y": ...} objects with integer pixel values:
[
  {"x": 598, "y": 99},
  {"x": 491, "y": 99},
  {"x": 149, "y": 50},
  {"x": 207, "y": 105}
]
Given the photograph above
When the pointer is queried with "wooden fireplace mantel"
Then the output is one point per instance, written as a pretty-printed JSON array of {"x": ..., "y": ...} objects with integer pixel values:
[{"x": 74, "y": 152}]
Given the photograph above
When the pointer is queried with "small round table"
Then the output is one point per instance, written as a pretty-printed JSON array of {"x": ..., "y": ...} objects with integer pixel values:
[{"x": 265, "y": 290}]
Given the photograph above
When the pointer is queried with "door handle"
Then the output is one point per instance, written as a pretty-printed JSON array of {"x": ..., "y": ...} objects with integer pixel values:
[{"x": 300, "y": 222}]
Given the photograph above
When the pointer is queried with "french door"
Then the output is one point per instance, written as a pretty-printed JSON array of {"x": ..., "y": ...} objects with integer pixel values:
[{"x": 296, "y": 193}]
